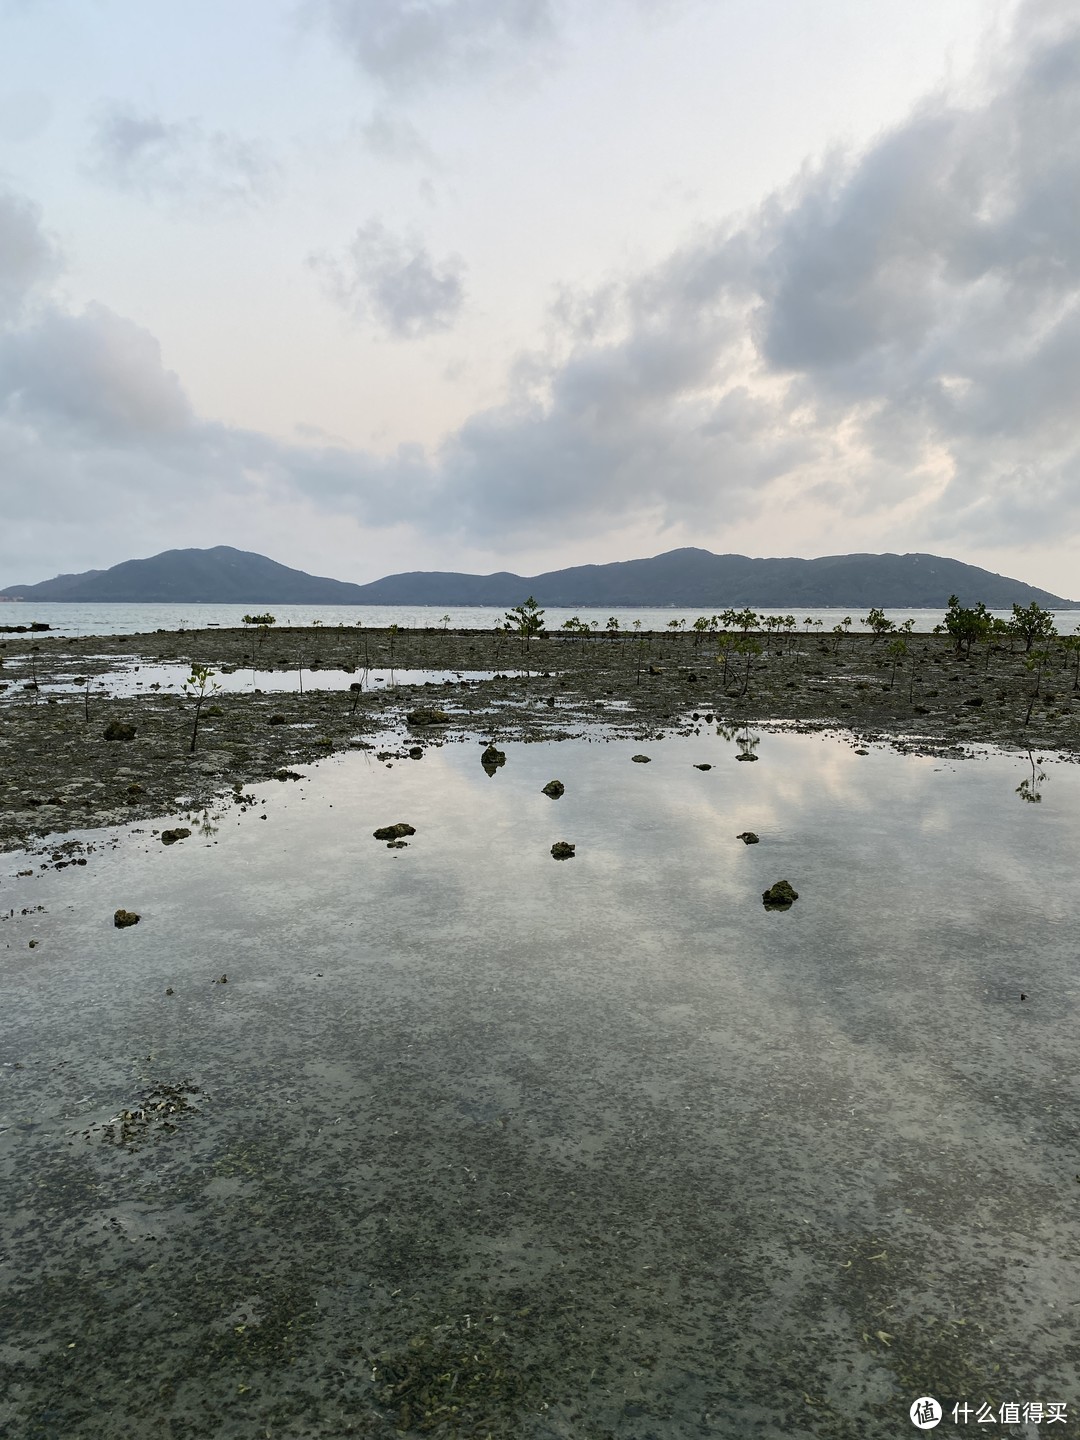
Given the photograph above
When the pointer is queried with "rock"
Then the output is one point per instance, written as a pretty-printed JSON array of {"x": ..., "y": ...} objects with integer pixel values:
[
  {"x": 170, "y": 837},
  {"x": 655, "y": 670},
  {"x": 748, "y": 838},
  {"x": 641, "y": 759},
  {"x": 169, "y": 990},
  {"x": 491, "y": 759},
  {"x": 780, "y": 896},
  {"x": 746, "y": 757},
  {"x": 427, "y": 715},
  {"x": 554, "y": 788},
  {"x": 562, "y": 850},
  {"x": 277, "y": 720},
  {"x": 117, "y": 730},
  {"x": 394, "y": 832},
  {"x": 416, "y": 753},
  {"x": 397, "y": 844},
  {"x": 703, "y": 767},
  {"x": 123, "y": 918}
]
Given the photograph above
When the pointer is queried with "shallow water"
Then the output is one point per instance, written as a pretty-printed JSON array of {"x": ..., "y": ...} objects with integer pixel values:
[
  {"x": 127, "y": 680},
  {"x": 588, "y": 1148}
]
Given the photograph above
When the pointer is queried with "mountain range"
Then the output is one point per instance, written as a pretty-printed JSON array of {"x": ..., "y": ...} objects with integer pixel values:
[{"x": 687, "y": 578}]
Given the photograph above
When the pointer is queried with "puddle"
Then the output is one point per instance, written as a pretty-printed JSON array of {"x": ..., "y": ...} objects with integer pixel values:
[
  {"x": 126, "y": 681},
  {"x": 593, "y": 1148}
]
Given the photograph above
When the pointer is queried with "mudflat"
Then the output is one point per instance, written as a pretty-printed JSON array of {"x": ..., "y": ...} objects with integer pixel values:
[{"x": 59, "y": 772}]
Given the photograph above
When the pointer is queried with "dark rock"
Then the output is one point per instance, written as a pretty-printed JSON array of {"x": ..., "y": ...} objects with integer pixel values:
[
  {"x": 491, "y": 759},
  {"x": 277, "y": 720},
  {"x": 748, "y": 837},
  {"x": 745, "y": 756},
  {"x": 397, "y": 844},
  {"x": 554, "y": 788},
  {"x": 394, "y": 832},
  {"x": 170, "y": 837},
  {"x": 117, "y": 730},
  {"x": 123, "y": 918},
  {"x": 703, "y": 767},
  {"x": 641, "y": 759},
  {"x": 427, "y": 715},
  {"x": 780, "y": 896},
  {"x": 563, "y": 850},
  {"x": 416, "y": 753}
]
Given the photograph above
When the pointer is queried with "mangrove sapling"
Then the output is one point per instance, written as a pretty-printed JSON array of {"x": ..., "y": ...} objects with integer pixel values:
[
  {"x": 895, "y": 650},
  {"x": 263, "y": 623},
  {"x": 724, "y": 646},
  {"x": 751, "y": 648},
  {"x": 1035, "y": 663},
  {"x": 1031, "y": 623},
  {"x": 527, "y": 620},
  {"x": 199, "y": 684},
  {"x": 878, "y": 623}
]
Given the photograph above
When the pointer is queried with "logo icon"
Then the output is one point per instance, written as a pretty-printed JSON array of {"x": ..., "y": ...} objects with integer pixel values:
[{"x": 925, "y": 1413}]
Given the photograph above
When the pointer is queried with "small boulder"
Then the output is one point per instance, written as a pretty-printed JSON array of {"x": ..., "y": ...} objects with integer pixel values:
[
  {"x": 170, "y": 837},
  {"x": 117, "y": 730},
  {"x": 554, "y": 788},
  {"x": 780, "y": 896},
  {"x": 416, "y": 753},
  {"x": 641, "y": 759},
  {"x": 123, "y": 918},
  {"x": 745, "y": 756},
  {"x": 427, "y": 715},
  {"x": 491, "y": 759},
  {"x": 748, "y": 837},
  {"x": 703, "y": 767},
  {"x": 277, "y": 720},
  {"x": 563, "y": 850},
  {"x": 394, "y": 832}
]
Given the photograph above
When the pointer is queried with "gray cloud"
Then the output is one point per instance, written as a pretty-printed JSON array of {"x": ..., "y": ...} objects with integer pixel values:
[
  {"x": 895, "y": 336},
  {"x": 393, "y": 282},
  {"x": 405, "y": 44},
  {"x": 393, "y": 137},
  {"x": 27, "y": 255},
  {"x": 180, "y": 161}
]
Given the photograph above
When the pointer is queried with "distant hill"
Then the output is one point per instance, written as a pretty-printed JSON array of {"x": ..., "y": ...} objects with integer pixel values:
[
  {"x": 686, "y": 578},
  {"x": 221, "y": 576}
]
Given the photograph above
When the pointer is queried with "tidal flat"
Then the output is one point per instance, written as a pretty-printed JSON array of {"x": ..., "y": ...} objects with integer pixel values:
[
  {"x": 448, "y": 1137},
  {"x": 277, "y": 698}
]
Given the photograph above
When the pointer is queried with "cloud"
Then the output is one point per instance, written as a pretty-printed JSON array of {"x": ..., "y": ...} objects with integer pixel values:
[
  {"x": 392, "y": 137},
  {"x": 892, "y": 342},
  {"x": 180, "y": 161},
  {"x": 27, "y": 255},
  {"x": 393, "y": 282},
  {"x": 407, "y": 44}
]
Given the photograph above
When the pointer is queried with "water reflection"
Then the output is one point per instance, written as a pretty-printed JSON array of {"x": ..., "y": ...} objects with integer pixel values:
[
  {"x": 608, "y": 1142},
  {"x": 1029, "y": 788}
]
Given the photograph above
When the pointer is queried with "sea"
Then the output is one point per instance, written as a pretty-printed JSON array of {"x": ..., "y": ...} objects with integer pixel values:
[{"x": 98, "y": 618}]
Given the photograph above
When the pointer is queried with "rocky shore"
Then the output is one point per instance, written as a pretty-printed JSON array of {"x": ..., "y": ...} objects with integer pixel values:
[{"x": 59, "y": 773}]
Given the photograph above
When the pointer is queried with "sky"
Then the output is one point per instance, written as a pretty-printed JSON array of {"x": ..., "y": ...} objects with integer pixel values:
[{"x": 381, "y": 285}]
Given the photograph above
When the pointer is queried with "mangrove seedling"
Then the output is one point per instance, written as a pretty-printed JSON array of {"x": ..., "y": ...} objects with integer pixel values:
[
  {"x": 1031, "y": 623},
  {"x": 199, "y": 684}
]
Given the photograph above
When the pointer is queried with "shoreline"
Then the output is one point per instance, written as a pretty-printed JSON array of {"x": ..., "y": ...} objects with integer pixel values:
[{"x": 58, "y": 773}]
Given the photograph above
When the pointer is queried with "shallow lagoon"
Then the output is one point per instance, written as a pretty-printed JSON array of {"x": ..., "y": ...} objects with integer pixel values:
[{"x": 591, "y": 1148}]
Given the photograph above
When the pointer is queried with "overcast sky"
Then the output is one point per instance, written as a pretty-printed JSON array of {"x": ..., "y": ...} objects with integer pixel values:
[{"x": 380, "y": 285}]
